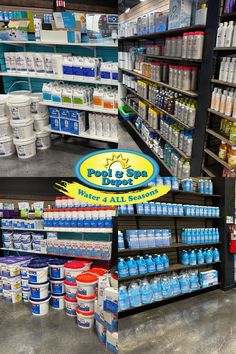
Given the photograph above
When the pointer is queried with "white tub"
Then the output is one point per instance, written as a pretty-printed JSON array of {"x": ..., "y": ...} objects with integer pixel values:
[
  {"x": 57, "y": 302},
  {"x": 23, "y": 129},
  {"x": 41, "y": 307},
  {"x": 39, "y": 291},
  {"x": 26, "y": 295},
  {"x": 70, "y": 290},
  {"x": 85, "y": 320},
  {"x": 85, "y": 304},
  {"x": 86, "y": 284},
  {"x": 3, "y": 105},
  {"x": 56, "y": 271},
  {"x": 7, "y": 147},
  {"x": 36, "y": 107},
  {"x": 5, "y": 128},
  {"x": 43, "y": 140},
  {"x": 11, "y": 283},
  {"x": 57, "y": 287},
  {"x": 19, "y": 107},
  {"x": 12, "y": 296},
  {"x": 38, "y": 275},
  {"x": 26, "y": 148},
  {"x": 40, "y": 122},
  {"x": 25, "y": 284},
  {"x": 70, "y": 306}
]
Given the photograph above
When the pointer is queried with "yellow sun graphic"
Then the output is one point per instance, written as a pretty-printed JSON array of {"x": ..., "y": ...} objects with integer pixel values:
[{"x": 117, "y": 158}]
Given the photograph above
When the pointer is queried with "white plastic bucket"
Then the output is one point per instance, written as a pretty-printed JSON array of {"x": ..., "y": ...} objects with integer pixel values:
[
  {"x": 39, "y": 291},
  {"x": 41, "y": 307},
  {"x": 40, "y": 122},
  {"x": 5, "y": 128},
  {"x": 19, "y": 107},
  {"x": 3, "y": 105},
  {"x": 70, "y": 290},
  {"x": 57, "y": 302},
  {"x": 87, "y": 287},
  {"x": 85, "y": 304},
  {"x": 57, "y": 287},
  {"x": 38, "y": 275},
  {"x": 70, "y": 306},
  {"x": 85, "y": 320},
  {"x": 25, "y": 284},
  {"x": 36, "y": 107},
  {"x": 22, "y": 129},
  {"x": 26, "y": 148},
  {"x": 26, "y": 295},
  {"x": 7, "y": 147},
  {"x": 56, "y": 271},
  {"x": 43, "y": 140}
]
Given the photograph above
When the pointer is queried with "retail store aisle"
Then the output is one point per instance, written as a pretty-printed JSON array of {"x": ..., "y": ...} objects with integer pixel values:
[
  {"x": 60, "y": 159},
  {"x": 201, "y": 324},
  {"x": 53, "y": 334}
]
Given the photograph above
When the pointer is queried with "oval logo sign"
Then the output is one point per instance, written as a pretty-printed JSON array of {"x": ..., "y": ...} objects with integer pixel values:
[{"x": 116, "y": 169}]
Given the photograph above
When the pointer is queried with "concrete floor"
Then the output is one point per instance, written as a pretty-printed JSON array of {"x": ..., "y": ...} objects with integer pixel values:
[
  {"x": 55, "y": 333},
  {"x": 204, "y": 324},
  {"x": 60, "y": 159}
]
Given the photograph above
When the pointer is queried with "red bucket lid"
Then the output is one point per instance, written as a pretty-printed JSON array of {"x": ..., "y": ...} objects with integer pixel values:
[
  {"x": 75, "y": 264},
  {"x": 87, "y": 278},
  {"x": 70, "y": 300},
  {"x": 84, "y": 312},
  {"x": 97, "y": 271},
  {"x": 84, "y": 297}
]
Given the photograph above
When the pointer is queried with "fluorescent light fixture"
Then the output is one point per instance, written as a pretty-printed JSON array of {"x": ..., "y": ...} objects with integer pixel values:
[
  {"x": 127, "y": 10},
  {"x": 141, "y": 0}
]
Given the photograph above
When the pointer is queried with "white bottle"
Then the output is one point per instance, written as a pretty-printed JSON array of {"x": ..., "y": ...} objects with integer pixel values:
[
  {"x": 229, "y": 34},
  {"x": 234, "y": 110},
  {"x": 234, "y": 37},
  {"x": 223, "y": 101},
  {"x": 217, "y": 100},
  {"x": 219, "y": 34},
  {"x": 213, "y": 98},
  {"x": 229, "y": 104},
  {"x": 223, "y": 34},
  {"x": 222, "y": 68},
  {"x": 230, "y": 77},
  {"x": 226, "y": 70}
]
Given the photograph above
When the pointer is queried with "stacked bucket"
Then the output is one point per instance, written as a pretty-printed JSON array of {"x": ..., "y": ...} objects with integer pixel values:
[
  {"x": 57, "y": 278},
  {"x": 7, "y": 147}
]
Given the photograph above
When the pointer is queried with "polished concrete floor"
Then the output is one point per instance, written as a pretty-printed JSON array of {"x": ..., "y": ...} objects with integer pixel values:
[
  {"x": 55, "y": 333},
  {"x": 60, "y": 159},
  {"x": 204, "y": 324}
]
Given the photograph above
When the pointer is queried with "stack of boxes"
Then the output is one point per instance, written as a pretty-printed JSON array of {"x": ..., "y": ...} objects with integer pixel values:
[
  {"x": 67, "y": 120},
  {"x": 106, "y": 312}
]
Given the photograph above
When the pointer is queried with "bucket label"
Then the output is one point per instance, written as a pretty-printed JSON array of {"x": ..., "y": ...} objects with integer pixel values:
[
  {"x": 36, "y": 309},
  {"x": 55, "y": 273},
  {"x": 55, "y": 303},
  {"x": 35, "y": 293}
]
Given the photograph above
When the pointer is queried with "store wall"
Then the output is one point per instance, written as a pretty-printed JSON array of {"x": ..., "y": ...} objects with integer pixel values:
[{"x": 145, "y": 7}]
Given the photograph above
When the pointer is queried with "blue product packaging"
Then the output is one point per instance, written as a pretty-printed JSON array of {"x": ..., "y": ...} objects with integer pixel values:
[
  {"x": 123, "y": 298},
  {"x": 134, "y": 295},
  {"x": 64, "y": 113},
  {"x": 123, "y": 270},
  {"x": 142, "y": 266},
  {"x": 156, "y": 289},
  {"x": 55, "y": 123},
  {"x": 151, "y": 238},
  {"x": 132, "y": 266},
  {"x": 151, "y": 267},
  {"x": 73, "y": 114},
  {"x": 158, "y": 238},
  {"x": 146, "y": 293},
  {"x": 132, "y": 238},
  {"x": 142, "y": 236},
  {"x": 54, "y": 112}
]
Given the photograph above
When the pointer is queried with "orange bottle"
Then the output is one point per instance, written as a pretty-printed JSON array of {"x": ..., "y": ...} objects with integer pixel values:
[
  {"x": 223, "y": 151},
  {"x": 232, "y": 157}
]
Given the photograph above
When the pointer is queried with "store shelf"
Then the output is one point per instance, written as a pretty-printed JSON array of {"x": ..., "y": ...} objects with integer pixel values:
[
  {"x": 85, "y": 136},
  {"x": 158, "y": 108},
  {"x": 15, "y": 250},
  {"x": 187, "y": 93},
  {"x": 167, "y": 216},
  {"x": 223, "y": 83},
  {"x": 225, "y": 49},
  {"x": 82, "y": 44},
  {"x": 220, "y": 136},
  {"x": 54, "y": 77},
  {"x": 215, "y": 157},
  {"x": 232, "y": 16},
  {"x": 137, "y": 251},
  {"x": 222, "y": 115},
  {"x": 57, "y": 229},
  {"x": 163, "y": 57},
  {"x": 90, "y": 108},
  {"x": 21, "y": 229},
  {"x": 172, "y": 268},
  {"x": 135, "y": 310},
  {"x": 165, "y": 33},
  {"x": 210, "y": 170}
]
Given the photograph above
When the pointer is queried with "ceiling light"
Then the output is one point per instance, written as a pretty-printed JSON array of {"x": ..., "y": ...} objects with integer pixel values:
[{"x": 127, "y": 10}]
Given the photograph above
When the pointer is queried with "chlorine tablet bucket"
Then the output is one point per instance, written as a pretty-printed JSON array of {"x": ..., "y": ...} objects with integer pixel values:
[
  {"x": 74, "y": 268},
  {"x": 70, "y": 306},
  {"x": 36, "y": 107},
  {"x": 40, "y": 122},
  {"x": 85, "y": 320},
  {"x": 57, "y": 302},
  {"x": 86, "y": 284},
  {"x": 38, "y": 272},
  {"x": 3, "y": 105},
  {"x": 22, "y": 129},
  {"x": 97, "y": 271},
  {"x": 40, "y": 307},
  {"x": 26, "y": 295},
  {"x": 39, "y": 291},
  {"x": 19, "y": 107},
  {"x": 70, "y": 290},
  {"x": 56, "y": 269},
  {"x": 7, "y": 147},
  {"x": 5, "y": 128},
  {"x": 57, "y": 287},
  {"x": 26, "y": 148},
  {"x": 85, "y": 303},
  {"x": 43, "y": 140},
  {"x": 25, "y": 284}
]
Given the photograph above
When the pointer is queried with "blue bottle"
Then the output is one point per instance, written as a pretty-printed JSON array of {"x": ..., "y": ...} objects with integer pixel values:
[
  {"x": 204, "y": 254},
  {"x": 175, "y": 285},
  {"x": 151, "y": 266},
  {"x": 142, "y": 266},
  {"x": 209, "y": 256},
  {"x": 166, "y": 261},
  {"x": 166, "y": 287},
  {"x": 146, "y": 292},
  {"x": 123, "y": 298},
  {"x": 156, "y": 289},
  {"x": 184, "y": 283},
  {"x": 132, "y": 266},
  {"x": 192, "y": 258},
  {"x": 121, "y": 244},
  {"x": 185, "y": 258},
  {"x": 216, "y": 255},
  {"x": 134, "y": 295},
  {"x": 123, "y": 270},
  {"x": 200, "y": 257},
  {"x": 193, "y": 279},
  {"x": 159, "y": 263}
]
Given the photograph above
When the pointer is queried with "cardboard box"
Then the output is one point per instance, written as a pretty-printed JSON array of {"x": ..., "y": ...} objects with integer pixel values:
[
  {"x": 112, "y": 342},
  {"x": 102, "y": 27},
  {"x": 110, "y": 303},
  {"x": 101, "y": 332},
  {"x": 179, "y": 13}
]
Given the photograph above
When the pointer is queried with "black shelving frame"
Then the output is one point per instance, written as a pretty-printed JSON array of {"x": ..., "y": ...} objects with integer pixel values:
[
  {"x": 224, "y": 198},
  {"x": 204, "y": 84}
]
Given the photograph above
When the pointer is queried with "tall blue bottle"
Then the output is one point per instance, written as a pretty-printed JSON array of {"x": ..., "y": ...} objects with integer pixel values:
[
  {"x": 134, "y": 295},
  {"x": 146, "y": 292},
  {"x": 142, "y": 266},
  {"x": 123, "y": 270},
  {"x": 166, "y": 261},
  {"x": 123, "y": 298},
  {"x": 132, "y": 266}
]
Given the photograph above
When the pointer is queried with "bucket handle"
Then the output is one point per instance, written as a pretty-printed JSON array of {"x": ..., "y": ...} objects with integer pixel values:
[{"x": 17, "y": 82}]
